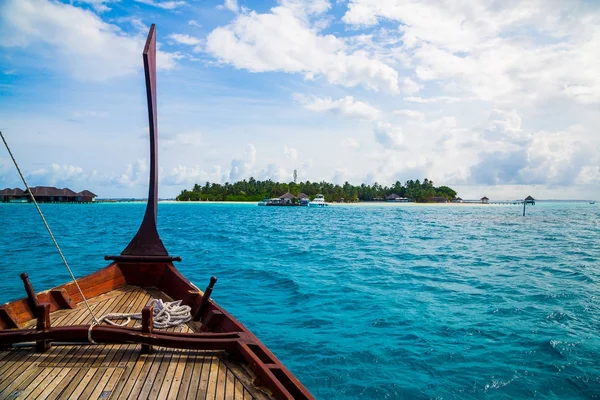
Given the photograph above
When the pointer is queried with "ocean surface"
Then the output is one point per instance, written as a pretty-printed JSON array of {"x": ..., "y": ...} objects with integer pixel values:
[{"x": 369, "y": 302}]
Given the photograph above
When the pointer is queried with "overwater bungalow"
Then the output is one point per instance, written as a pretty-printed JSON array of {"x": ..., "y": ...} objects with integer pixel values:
[
  {"x": 457, "y": 200},
  {"x": 484, "y": 200},
  {"x": 15, "y": 195},
  {"x": 529, "y": 200},
  {"x": 303, "y": 199},
  {"x": 46, "y": 194},
  {"x": 287, "y": 198},
  {"x": 395, "y": 198}
]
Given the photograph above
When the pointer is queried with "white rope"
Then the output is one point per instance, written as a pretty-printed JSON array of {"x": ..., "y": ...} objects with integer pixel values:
[
  {"x": 48, "y": 229},
  {"x": 165, "y": 315}
]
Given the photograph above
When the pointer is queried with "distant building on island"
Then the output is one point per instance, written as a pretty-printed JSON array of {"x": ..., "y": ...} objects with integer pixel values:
[
  {"x": 484, "y": 200},
  {"x": 46, "y": 194},
  {"x": 529, "y": 200},
  {"x": 395, "y": 198},
  {"x": 457, "y": 200},
  {"x": 11, "y": 195},
  {"x": 287, "y": 198},
  {"x": 303, "y": 199}
]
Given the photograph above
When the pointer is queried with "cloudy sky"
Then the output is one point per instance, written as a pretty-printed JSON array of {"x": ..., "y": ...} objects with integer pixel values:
[{"x": 496, "y": 98}]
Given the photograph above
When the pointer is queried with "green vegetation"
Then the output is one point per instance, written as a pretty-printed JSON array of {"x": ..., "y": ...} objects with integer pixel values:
[{"x": 253, "y": 190}]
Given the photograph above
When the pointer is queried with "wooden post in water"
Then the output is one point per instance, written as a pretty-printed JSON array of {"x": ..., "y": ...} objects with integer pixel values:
[{"x": 528, "y": 200}]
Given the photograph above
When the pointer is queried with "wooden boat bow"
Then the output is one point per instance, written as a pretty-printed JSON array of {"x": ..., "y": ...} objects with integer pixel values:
[{"x": 56, "y": 323}]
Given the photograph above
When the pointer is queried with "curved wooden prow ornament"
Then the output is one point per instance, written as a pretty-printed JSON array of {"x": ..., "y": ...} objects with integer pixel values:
[{"x": 147, "y": 241}]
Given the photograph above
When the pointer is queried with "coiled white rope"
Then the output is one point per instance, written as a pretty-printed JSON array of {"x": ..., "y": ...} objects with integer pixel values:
[{"x": 166, "y": 314}]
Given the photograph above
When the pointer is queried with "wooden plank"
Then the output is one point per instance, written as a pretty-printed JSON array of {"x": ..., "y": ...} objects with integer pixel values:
[
  {"x": 203, "y": 388},
  {"x": 155, "y": 374},
  {"x": 127, "y": 381},
  {"x": 107, "y": 381},
  {"x": 74, "y": 388},
  {"x": 167, "y": 378},
  {"x": 14, "y": 378},
  {"x": 31, "y": 377},
  {"x": 221, "y": 380},
  {"x": 196, "y": 376},
  {"x": 118, "y": 306},
  {"x": 50, "y": 383},
  {"x": 184, "y": 385},
  {"x": 26, "y": 393},
  {"x": 211, "y": 385},
  {"x": 176, "y": 382}
]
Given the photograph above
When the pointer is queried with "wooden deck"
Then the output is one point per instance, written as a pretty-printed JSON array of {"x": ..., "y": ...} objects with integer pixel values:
[{"x": 121, "y": 371}]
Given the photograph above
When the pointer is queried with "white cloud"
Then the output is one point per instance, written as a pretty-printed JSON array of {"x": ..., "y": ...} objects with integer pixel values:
[
  {"x": 435, "y": 99},
  {"x": 165, "y": 5},
  {"x": 412, "y": 114},
  {"x": 286, "y": 40},
  {"x": 231, "y": 5},
  {"x": 494, "y": 51},
  {"x": 194, "y": 23},
  {"x": 185, "y": 39},
  {"x": 241, "y": 168},
  {"x": 511, "y": 155},
  {"x": 275, "y": 173},
  {"x": 346, "y": 107},
  {"x": 389, "y": 136},
  {"x": 350, "y": 143},
  {"x": 135, "y": 175},
  {"x": 98, "y": 5},
  {"x": 182, "y": 140},
  {"x": 60, "y": 175},
  {"x": 290, "y": 153},
  {"x": 409, "y": 86},
  {"x": 85, "y": 45}
]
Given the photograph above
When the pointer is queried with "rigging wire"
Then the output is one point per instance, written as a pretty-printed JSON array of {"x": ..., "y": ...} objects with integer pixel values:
[{"x": 48, "y": 229}]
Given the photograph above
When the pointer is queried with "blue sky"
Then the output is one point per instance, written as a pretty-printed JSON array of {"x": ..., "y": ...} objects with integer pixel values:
[{"x": 492, "y": 98}]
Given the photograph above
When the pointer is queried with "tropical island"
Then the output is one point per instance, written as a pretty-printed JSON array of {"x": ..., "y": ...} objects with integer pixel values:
[{"x": 254, "y": 190}]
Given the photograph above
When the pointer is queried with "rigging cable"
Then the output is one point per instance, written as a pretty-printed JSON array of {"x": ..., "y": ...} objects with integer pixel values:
[{"x": 48, "y": 229}]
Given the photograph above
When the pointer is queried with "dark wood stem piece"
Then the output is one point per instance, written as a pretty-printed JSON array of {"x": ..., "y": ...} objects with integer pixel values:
[
  {"x": 43, "y": 324},
  {"x": 205, "y": 299},
  {"x": 32, "y": 300},
  {"x": 147, "y": 326}
]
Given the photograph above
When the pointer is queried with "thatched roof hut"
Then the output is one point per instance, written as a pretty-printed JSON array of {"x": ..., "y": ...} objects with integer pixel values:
[
  {"x": 86, "y": 193},
  {"x": 287, "y": 196},
  {"x": 303, "y": 196},
  {"x": 11, "y": 192},
  {"x": 484, "y": 200},
  {"x": 529, "y": 200},
  {"x": 393, "y": 196},
  {"x": 44, "y": 191}
]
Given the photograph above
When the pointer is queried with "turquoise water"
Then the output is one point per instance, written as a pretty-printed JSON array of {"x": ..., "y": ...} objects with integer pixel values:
[{"x": 370, "y": 302}]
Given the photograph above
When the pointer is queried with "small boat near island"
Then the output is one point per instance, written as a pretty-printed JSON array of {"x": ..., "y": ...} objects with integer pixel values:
[
  {"x": 318, "y": 201},
  {"x": 53, "y": 344}
]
